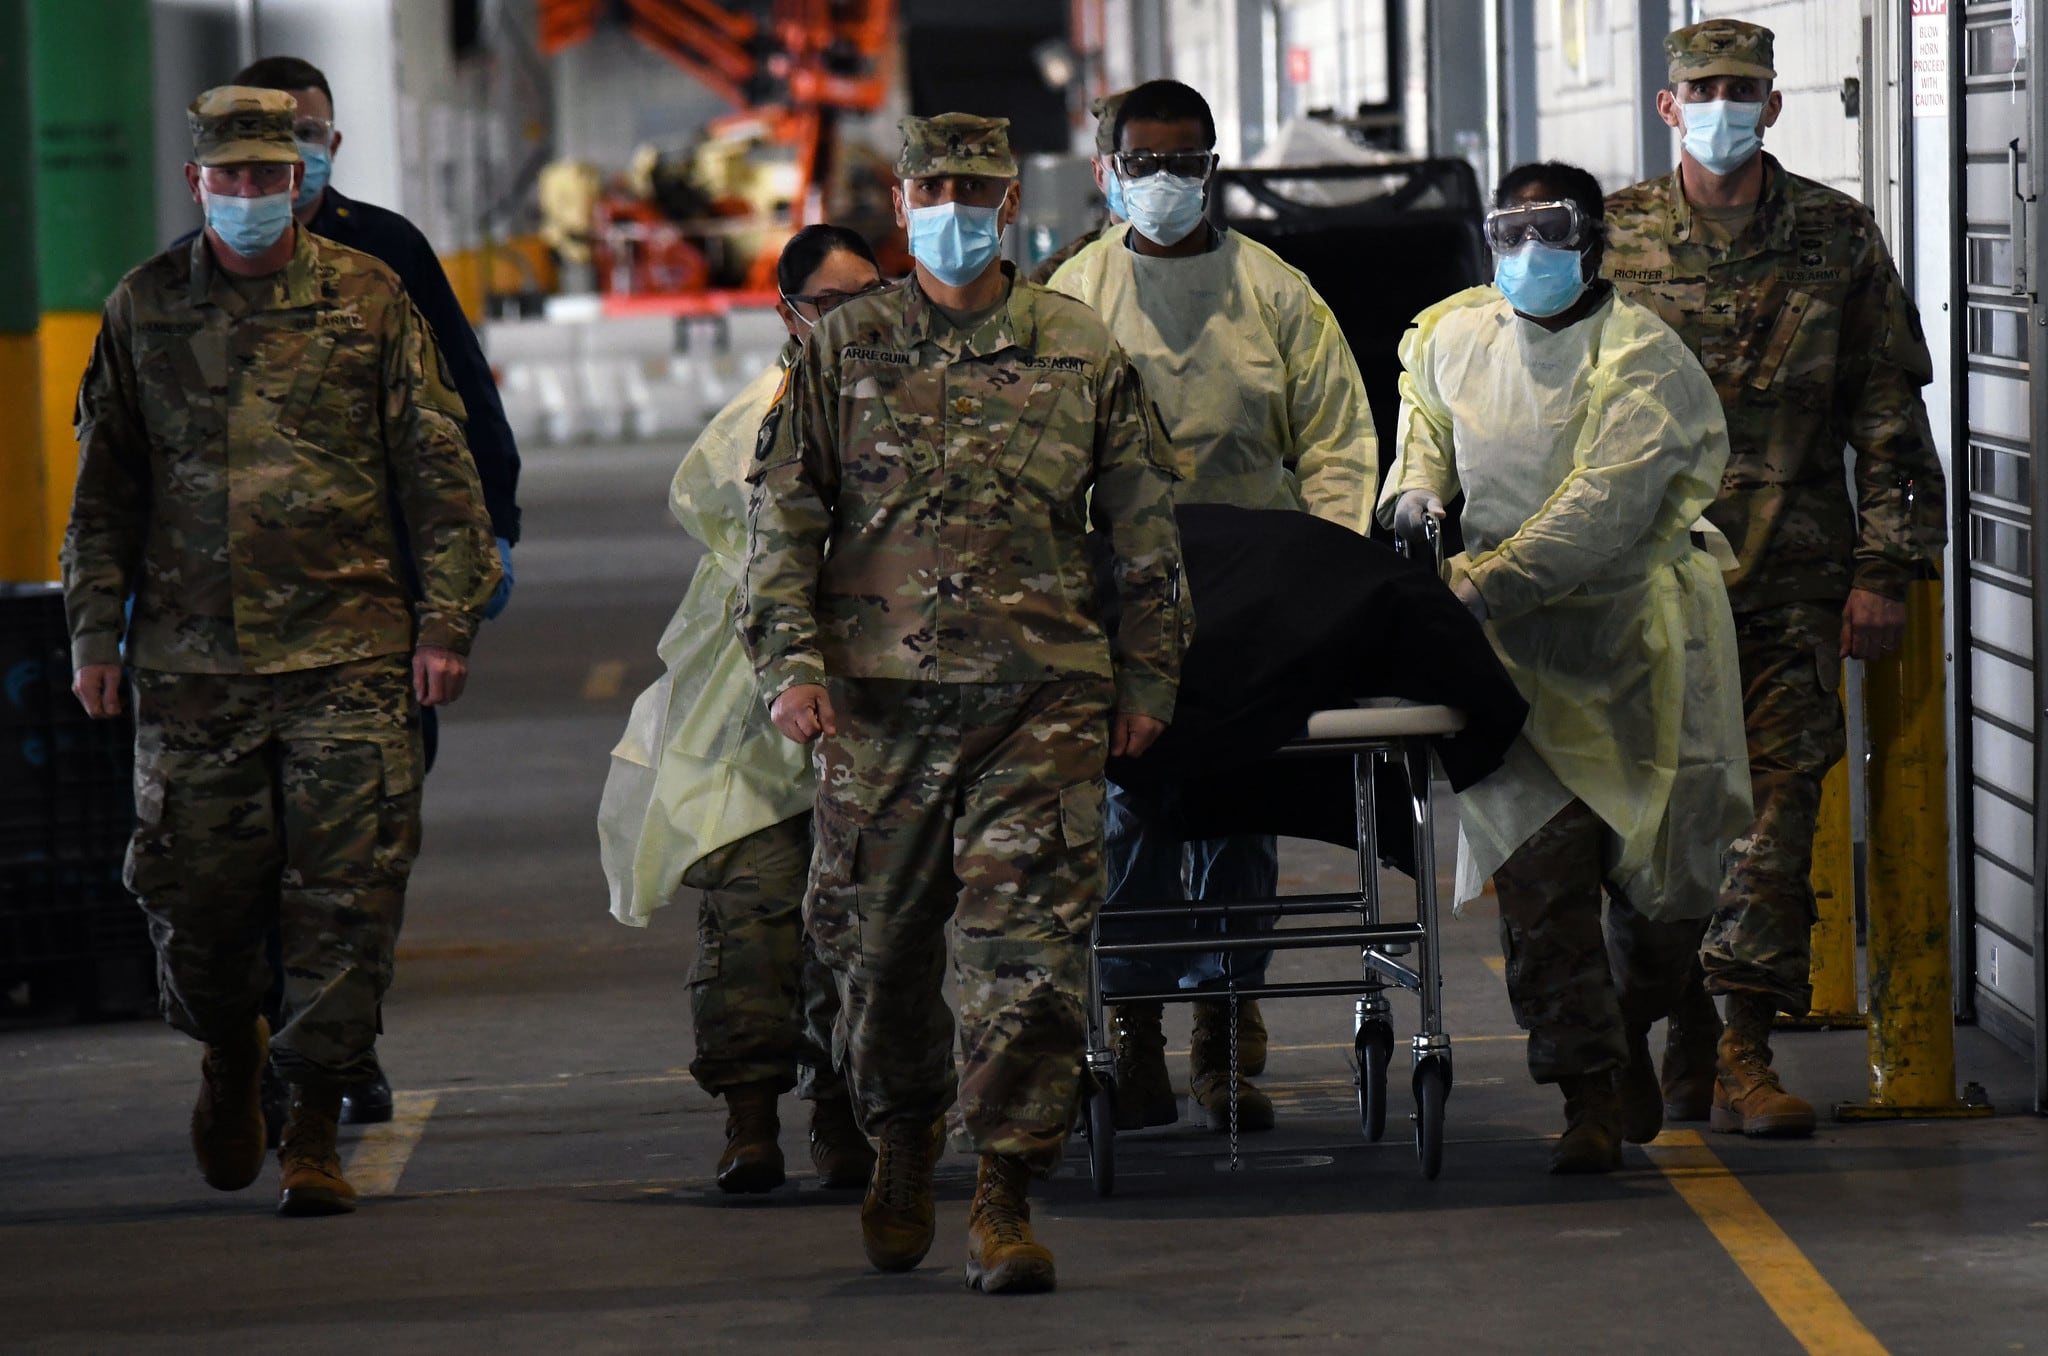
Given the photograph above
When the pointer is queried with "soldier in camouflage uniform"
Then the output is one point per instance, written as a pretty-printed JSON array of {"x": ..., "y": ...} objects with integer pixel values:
[
  {"x": 1104, "y": 107},
  {"x": 918, "y": 592},
  {"x": 1785, "y": 291},
  {"x": 251, "y": 398}
]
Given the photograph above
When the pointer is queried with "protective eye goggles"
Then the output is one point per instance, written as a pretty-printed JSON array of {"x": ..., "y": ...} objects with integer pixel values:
[
  {"x": 827, "y": 302},
  {"x": 1183, "y": 164},
  {"x": 1561, "y": 225}
]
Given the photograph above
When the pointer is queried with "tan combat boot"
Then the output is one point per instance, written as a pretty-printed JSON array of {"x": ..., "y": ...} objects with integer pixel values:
[
  {"x": 1144, "y": 1092},
  {"x": 896, "y": 1217},
  {"x": 839, "y": 1151},
  {"x": 312, "y": 1182},
  {"x": 1002, "y": 1256},
  {"x": 1690, "y": 1040},
  {"x": 1641, "y": 1096},
  {"x": 1592, "y": 1135},
  {"x": 1251, "y": 1038},
  {"x": 1209, "y": 1077},
  {"x": 227, "y": 1120},
  {"x": 1747, "y": 1095},
  {"x": 752, "y": 1161}
]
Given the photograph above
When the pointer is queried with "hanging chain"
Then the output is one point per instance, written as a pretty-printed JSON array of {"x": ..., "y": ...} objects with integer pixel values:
[{"x": 1232, "y": 1001}]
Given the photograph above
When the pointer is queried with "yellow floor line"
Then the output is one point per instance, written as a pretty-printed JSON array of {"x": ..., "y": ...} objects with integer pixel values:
[
  {"x": 382, "y": 1153},
  {"x": 1497, "y": 964},
  {"x": 1804, "y": 1302},
  {"x": 604, "y": 680}
]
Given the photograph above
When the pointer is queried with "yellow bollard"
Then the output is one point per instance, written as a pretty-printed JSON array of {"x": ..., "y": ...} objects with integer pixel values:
[
  {"x": 1912, "y": 1031},
  {"x": 1834, "y": 930}
]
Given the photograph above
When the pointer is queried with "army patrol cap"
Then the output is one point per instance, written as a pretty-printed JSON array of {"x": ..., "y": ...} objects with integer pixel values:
[
  {"x": 956, "y": 143},
  {"x": 1104, "y": 107},
  {"x": 236, "y": 124},
  {"x": 1720, "y": 47}
]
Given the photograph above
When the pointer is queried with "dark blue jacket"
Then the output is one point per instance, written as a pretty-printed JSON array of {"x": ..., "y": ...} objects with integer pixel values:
[{"x": 387, "y": 236}]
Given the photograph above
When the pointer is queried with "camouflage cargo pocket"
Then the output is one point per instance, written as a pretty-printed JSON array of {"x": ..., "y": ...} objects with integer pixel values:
[
  {"x": 398, "y": 806},
  {"x": 832, "y": 898},
  {"x": 148, "y": 846},
  {"x": 704, "y": 966},
  {"x": 1081, "y": 855}
]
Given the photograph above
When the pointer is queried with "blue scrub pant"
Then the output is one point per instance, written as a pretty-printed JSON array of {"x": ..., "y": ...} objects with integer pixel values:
[{"x": 1148, "y": 862}]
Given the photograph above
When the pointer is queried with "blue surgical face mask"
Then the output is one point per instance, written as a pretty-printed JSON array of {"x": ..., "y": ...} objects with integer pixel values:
[
  {"x": 955, "y": 241},
  {"x": 1164, "y": 208},
  {"x": 1722, "y": 136},
  {"x": 249, "y": 226},
  {"x": 1113, "y": 192},
  {"x": 319, "y": 164},
  {"x": 1538, "y": 279}
]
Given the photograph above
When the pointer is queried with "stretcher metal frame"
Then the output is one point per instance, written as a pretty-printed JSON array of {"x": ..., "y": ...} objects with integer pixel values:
[{"x": 1369, "y": 735}]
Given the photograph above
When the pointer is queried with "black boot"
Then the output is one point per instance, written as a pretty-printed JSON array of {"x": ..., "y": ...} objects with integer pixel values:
[
  {"x": 1642, "y": 1097},
  {"x": 752, "y": 1161},
  {"x": 368, "y": 1101}
]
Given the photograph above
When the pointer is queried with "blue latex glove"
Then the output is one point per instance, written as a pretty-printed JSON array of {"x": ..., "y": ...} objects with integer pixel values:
[{"x": 502, "y": 594}]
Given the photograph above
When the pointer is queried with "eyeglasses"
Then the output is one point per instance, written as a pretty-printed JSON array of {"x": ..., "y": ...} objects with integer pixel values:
[
  {"x": 318, "y": 131},
  {"x": 263, "y": 176},
  {"x": 1183, "y": 164},
  {"x": 1561, "y": 225},
  {"x": 827, "y": 302}
]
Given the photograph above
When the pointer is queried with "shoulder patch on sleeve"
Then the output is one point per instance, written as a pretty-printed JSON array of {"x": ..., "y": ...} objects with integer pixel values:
[{"x": 771, "y": 423}]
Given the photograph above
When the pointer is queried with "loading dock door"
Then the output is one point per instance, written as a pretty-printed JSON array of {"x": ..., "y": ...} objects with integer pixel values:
[{"x": 1998, "y": 547}]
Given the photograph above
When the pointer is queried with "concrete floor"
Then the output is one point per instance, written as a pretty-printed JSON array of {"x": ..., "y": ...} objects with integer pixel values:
[{"x": 549, "y": 1174}]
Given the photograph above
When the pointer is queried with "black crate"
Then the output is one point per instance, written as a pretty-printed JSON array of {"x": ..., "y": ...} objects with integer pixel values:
[{"x": 69, "y": 929}]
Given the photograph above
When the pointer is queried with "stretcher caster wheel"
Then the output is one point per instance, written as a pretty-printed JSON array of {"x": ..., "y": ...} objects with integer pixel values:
[
  {"x": 1375, "y": 1048},
  {"x": 1101, "y": 1131},
  {"x": 1432, "y": 1086}
]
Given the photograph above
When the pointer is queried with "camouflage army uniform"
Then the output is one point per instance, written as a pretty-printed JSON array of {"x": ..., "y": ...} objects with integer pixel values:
[
  {"x": 237, "y": 440},
  {"x": 922, "y": 498},
  {"x": 1104, "y": 107},
  {"x": 1042, "y": 274},
  {"x": 1575, "y": 988},
  {"x": 1803, "y": 324},
  {"x": 762, "y": 1002}
]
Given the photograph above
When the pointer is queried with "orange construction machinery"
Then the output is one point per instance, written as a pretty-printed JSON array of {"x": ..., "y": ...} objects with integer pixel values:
[{"x": 788, "y": 67}]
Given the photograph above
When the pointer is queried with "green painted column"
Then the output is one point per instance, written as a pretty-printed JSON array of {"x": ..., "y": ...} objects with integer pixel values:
[
  {"x": 95, "y": 197},
  {"x": 95, "y": 140},
  {"x": 24, "y": 550}
]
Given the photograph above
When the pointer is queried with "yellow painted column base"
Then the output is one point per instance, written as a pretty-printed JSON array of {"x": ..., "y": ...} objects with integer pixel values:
[
  {"x": 1954, "y": 1111},
  {"x": 1833, "y": 971},
  {"x": 66, "y": 342},
  {"x": 24, "y": 548},
  {"x": 1912, "y": 1027}
]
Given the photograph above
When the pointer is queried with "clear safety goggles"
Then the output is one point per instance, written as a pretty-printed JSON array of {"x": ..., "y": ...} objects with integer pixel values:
[
  {"x": 1561, "y": 225},
  {"x": 313, "y": 131},
  {"x": 1181, "y": 164}
]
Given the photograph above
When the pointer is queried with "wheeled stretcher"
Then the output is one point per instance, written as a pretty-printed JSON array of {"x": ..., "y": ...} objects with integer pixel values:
[
  {"x": 1403, "y": 955},
  {"x": 1391, "y": 954}
]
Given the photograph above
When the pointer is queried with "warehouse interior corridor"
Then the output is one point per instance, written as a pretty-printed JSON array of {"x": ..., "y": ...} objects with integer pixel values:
[
  {"x": 548, "y": 1168},
  {"x": 1407, "y": 422}
]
